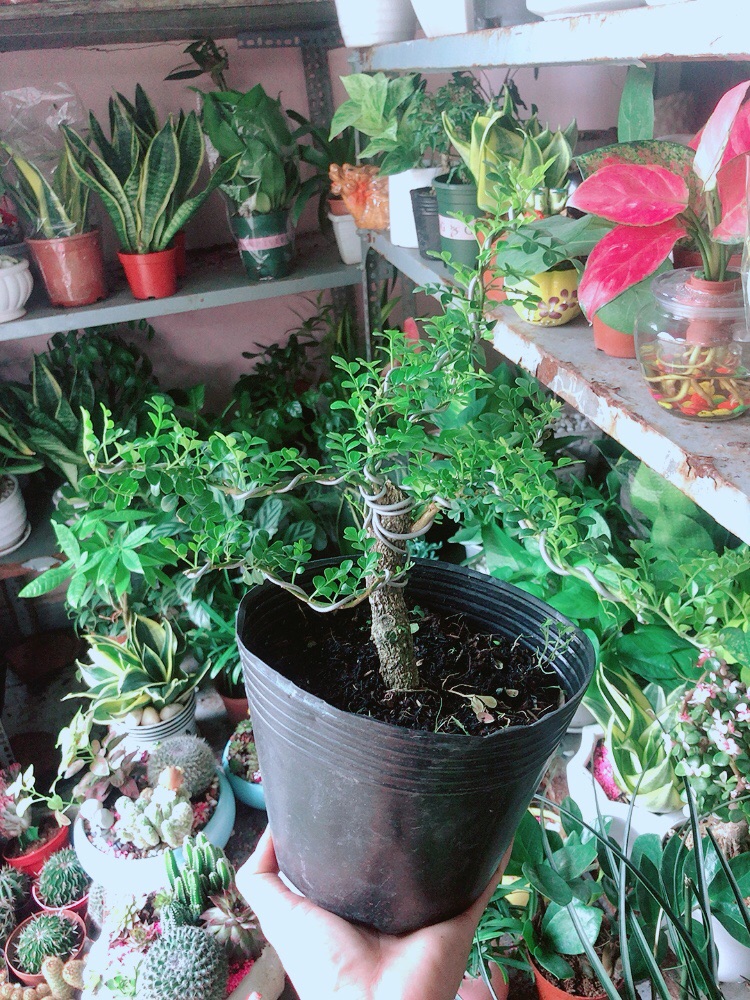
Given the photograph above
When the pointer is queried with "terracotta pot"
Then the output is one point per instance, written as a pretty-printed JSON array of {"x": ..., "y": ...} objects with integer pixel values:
[
  {"x": 336, "y": 206},
  {"x": 547, "y": 991},
  {"x": 691, "y": 258},
  {"x": 236, "y": 708},
  {"x": 151, "y": 275},
  {"x": 476, "y": 989},
  {"x": 72, "y": 268},
  {"x": 10, "y": 948},
  {"x": 180, "y": 254},
  {"x": 708, "y": 330},
  {"x": 494, "y": 284},
  {"x": 80, "y": 906},
  {"x": 32, "y": 860},
  {"x": 613, "y": 342}
]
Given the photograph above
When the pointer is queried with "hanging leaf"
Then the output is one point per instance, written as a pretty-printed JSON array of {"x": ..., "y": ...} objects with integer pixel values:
[
  {"x": 715, "y": 137},
  {"x": 632, "y": 194}
]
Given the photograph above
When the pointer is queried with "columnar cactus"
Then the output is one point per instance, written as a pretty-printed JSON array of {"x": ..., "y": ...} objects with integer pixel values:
[
  {"x": 206, "y": 873},
  {"x": 47, "y": 935},
  {"x": 62, "y": 881},
  {"x": 190, "y": 753},
  {"x": 184, "y": 964},
  {"x": 161, "y": 815}
]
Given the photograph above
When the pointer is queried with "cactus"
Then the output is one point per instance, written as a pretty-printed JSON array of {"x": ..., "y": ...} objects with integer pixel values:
[
  {"x": 97, "y": 907},
  {"x": 14, "y": 886},
  {"x": 62, "y": 881},
  {"x": 233, "y": 925},
  {"x": 184, "y": 964},
  {"x": 206, "y": 873},
  {"x": 46, "y": 935},
  {"x": 52, "y": 970},
  {"x": 7, "y": 920},
  {"x": 175, "y": 914},
  {"x": 190, "y": 753},
  {"x": 161, "y": 815}
]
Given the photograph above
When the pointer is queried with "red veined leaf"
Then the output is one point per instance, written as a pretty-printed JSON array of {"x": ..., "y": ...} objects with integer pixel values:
[
  {"x": 713, "y": 142},
  {"x": 739, "y": 137},
  {"x": 624, "y": 257},
  {"x": 732, "y": 187},
  {"x": 633, "y": 194}
]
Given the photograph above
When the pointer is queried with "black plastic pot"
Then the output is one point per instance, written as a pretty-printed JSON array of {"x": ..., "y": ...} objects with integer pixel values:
[
  {"x": 390, "y": 827},
  {"x": 424, "y": 205}
]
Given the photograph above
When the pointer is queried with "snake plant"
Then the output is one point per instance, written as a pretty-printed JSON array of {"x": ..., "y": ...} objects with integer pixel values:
[
  {"x": 50, "y": 209},
  {"x": 145, "y": 180},
  {"x": 141, "y": 671}
]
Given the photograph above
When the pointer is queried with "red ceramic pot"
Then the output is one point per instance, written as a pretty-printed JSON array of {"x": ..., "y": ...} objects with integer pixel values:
[
  {"x": 613, "y": 342},
  {"x": 72, "y": 268},
  {"x": 151, "y": 275},
  {"x": 10, "y": 947},
  {"x": 31, "y": 861},
  {"x": 80, "y": 906},
  {"x": 547, "y": 991},
  {"x": 236, "y": 708}
]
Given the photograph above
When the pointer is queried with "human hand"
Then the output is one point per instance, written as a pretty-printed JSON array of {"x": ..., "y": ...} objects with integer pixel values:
[{"x": 326, "y": 957}]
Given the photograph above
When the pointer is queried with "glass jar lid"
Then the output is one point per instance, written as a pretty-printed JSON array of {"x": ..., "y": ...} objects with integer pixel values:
[{"x": 683, "y": 293}]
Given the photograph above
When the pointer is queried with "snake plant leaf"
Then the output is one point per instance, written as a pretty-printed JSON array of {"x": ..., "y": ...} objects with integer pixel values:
[
  {"x": 192, "y": 151},
  {"x": 158, "y": 179},
  {"x": 223, "y": 173},
  {"x": 46, "y": 392},
  {"x": 145, "y": 112},
  {"x": 105, "y": 183},
  {"x": 559, "y": 157},
  {"x": 51, "y": 218},
  {"x": 531, "y": 157}
]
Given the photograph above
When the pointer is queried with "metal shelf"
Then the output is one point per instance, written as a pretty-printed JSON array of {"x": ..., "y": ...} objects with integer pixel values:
[
  {"x": 53, "y": 25},
  {"x": 215, "y": 278},
  {"x": 690, "y": 30},
  {"x": 710, "y": 463}
]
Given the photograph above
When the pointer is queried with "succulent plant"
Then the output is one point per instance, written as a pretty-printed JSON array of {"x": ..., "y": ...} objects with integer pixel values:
[
  {"x": 205, "y": 873},
  {"x": 47, "y": 935},
  {"x": 184, "y": 964},
  {"x": 62, "y": 880},
  {"x": 176, "y": 914},
  {"x": 7, "y": 920},
  {"x": 97, "y": 905},
  {"x": 190, "y": 753},
  {"x": 161, "y": 815},
  {"x": 243, "y": 757},
  {"x": 233, "y": 925},
  {"x": 14, "y": 885}
]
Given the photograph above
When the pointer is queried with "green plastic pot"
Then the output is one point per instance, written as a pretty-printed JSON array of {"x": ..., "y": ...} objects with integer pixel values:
[
  {"x": 457, "y": 238},
  {"x": 266, "y": 244}
]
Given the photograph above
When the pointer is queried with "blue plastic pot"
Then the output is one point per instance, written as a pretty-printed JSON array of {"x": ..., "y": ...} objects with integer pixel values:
[{"x": 246, "y": 791}]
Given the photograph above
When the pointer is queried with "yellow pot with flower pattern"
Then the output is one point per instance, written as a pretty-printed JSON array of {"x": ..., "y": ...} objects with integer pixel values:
[{"x": 558, "y": 291}]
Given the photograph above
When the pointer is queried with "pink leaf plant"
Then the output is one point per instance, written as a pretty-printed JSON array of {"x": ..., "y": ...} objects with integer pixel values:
[{"x": 658, "y": 192}]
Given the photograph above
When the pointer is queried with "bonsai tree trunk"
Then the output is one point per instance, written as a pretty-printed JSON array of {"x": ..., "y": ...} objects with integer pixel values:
[{"x": 390, "y": 621}]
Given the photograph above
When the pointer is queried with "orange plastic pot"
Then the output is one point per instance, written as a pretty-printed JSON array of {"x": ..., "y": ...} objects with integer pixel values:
[
  {"x": 548, "y": 991},
  {"x": 10, "y": 947},
  {"x": 80, "y": 906},
  {"x": 31, "y": 861},
  {"x": 236, "y": 708},
  {"x": 706, "y": 329},
  {"x": 476, "y": 989},
  {"x": 336, "y": 206},
  {"x": 72, "y": 268},
  {"x": 613, "y": 342},
  {"x": 151, "y": 275},
  {"x": 493, "y": 283}
]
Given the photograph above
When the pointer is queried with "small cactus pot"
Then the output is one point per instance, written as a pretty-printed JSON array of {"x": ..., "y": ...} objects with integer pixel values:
[
  {"x": 10, "y": 947},
  {"x": 15, "y": 288},
  {"x": 249, "y": 792},
  {"x": 79, "y": 906},
  {"x": 121, "y": 875}
]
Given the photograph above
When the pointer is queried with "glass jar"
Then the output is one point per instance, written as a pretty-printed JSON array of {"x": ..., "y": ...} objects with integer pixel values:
[{"x": 693, "y": 346}]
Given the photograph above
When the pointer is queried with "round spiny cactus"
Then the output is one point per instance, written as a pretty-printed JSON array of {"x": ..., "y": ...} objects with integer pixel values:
[
  {"x": 14, "y": 885},
  {"x": 47, "y": 935},
  {"x": 190, "y": 753},
  {"x": 184, "y": 964},
  {"x": 62, "y": 880},
  {"x": 7, "y": 921}
]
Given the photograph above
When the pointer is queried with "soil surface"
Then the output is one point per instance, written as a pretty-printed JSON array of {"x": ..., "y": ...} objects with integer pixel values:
[
  {"x": 458, "y": 668},
  {"x": 581, "y": 985},
  {"x": 47, "y": 830}
]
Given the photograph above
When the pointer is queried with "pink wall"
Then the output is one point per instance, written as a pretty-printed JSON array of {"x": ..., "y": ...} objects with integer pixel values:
[{"x": 207, "y": 345}]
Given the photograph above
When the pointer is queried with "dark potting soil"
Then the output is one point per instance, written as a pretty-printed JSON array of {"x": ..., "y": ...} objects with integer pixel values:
[{"x": 458, "y": 668}]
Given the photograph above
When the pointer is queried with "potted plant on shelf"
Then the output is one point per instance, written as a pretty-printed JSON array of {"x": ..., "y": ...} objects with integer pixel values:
[
  {"x": 136, "y": 685},
  {"x": 42, "y": 936},
  {"x": 215, "y": 645},
  {"x": 67, "y": 253},
  {"x": 691, "y": 346},
  {"x": 14, "y": 525},
  {"x": 32, "y": 826},
  {"x": 62, "y": 883},
  {"x": 252, "y": 130},
  {"x": 240, "y": 760},
  {"x": 406, "y": 457},
  {"x": 16, "y": 284},
  {"x": 146, "y": 193}
]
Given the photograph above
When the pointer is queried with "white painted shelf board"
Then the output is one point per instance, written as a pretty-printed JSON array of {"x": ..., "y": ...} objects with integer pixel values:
[
  {"x": 693, "y": 29},
  {"x": 708, "y": 462},
  {"x": 218, "y": 279},
  {"x": 409, "y": 262}
]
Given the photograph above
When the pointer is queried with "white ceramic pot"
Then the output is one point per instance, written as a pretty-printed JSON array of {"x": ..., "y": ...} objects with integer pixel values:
[
  {"x": 375, "y": 22},
  {"x": 266, "y": 978},
  {"x": 585, "y": 791},
  {"x": 581, "y": 719},
  {"x": 734, "y": 958},
  {"x": 142, "y": 875},
  {"x": 400, "y": 186},
  {"x": 15, "y": 287},
  {"x": 14, "y": 526},
  {"x": 507, "y": 12},
  {"x": 144, "y": 737},
  {"x": 572, "y": 8},
  {"x": 347, "y": 238},
  {"x": 444, "y": 17}
]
